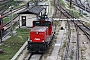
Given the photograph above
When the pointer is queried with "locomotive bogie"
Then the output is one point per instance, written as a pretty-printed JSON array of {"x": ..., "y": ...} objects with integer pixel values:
[{"x": 37, "y": 47}]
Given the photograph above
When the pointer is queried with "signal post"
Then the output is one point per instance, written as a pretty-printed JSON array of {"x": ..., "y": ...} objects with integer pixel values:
[{"x": 0, "y": 29}]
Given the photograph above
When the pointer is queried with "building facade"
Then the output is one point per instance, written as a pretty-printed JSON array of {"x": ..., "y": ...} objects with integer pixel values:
[{"x": 27, "y": 16}]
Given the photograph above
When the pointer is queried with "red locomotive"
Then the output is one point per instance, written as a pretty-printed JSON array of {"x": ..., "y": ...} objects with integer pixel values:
[{"x": 41, "y": 35}]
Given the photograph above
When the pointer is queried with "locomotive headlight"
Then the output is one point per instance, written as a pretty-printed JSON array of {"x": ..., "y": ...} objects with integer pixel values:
[
  {"x": 37, "y": 32},
  {"x": 30, "y": 40},
  {"x": 43, "y": 40}
]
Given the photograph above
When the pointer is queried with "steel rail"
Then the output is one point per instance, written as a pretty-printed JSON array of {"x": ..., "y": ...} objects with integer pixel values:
[
  {"x": 69, "y": 31},
  {"x": 3, "y": 2},
  {"x": 86, "y": 33},
  {"x": 80, "y": 6},
  {"x": 68, "y": 43},
  {"x": 14, "y": 10},
  {"x": 11, "y": 20},
  {"x": 68, "y": 15},
  {"x": 30, "y": 57}
]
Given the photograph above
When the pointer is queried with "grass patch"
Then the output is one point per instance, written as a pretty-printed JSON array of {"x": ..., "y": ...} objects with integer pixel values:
[
  {"x": 88, "y": 24},
  {"x": 64, "y": 45},
  {"x": 55, "y": 22},
  {"x": 72, "y": 53},
  {"x": 12, "y": 45},
  {"x": 23, "y": 31},
  {"x": 76, "y": 14},
  {"x": 6, "y": 19},
  {"x": 62, "y": 3}
]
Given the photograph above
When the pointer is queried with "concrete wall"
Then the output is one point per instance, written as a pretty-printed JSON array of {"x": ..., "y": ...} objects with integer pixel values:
[{"x": 30, "y": 19}]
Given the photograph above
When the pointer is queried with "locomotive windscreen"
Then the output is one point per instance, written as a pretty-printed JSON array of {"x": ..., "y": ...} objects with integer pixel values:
[
  {"x": 46, "y": 23},
  {"x": 37, "y": 23},
  {"x": 43, "y": 23}
]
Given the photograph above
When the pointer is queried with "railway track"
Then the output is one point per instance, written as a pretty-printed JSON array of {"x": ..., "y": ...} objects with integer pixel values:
[
  {"x": 8, "y": 27},
  {"x": 14, "y": 10},
  {"x": 35, "y": 56},
  {"x": 68, "y": 15},
  {"x": 73, "y": 44},
  {"x": 84, "y": 28},
  {"x": 2, "y": 10},
  {"x": 78, "y": 24},
  {"x": 68, "y": 47},
  {"x": 10, "y": 23},
  {"x": 79, "y": 4},
  {"x": 4, "y": 1},
  {"x": 4, "y": 6}
]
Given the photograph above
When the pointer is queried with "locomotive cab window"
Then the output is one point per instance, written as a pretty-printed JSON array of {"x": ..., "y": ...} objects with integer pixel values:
[
  {"x": 37, "y": 23},
  {"x": 46, "y": 23}
]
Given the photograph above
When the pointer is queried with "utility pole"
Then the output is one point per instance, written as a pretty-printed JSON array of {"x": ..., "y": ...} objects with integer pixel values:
[
  {"x": 16, "y": 2},
  {"x": 60, "y": 8},
  {"x": 11, "y": 7},
  {"x": 85, "y": 4},
  {"x": 70, "y": 3}
]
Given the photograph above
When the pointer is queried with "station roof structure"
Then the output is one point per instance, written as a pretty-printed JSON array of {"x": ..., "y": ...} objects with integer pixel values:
[{"x": 32, "y": 10}]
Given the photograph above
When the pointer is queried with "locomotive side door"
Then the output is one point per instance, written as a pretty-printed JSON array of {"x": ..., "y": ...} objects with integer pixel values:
[{"x": 23, "y": 20}]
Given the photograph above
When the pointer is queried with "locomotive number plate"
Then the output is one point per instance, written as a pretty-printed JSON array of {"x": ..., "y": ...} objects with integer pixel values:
[{"x": 37, "y": 38}]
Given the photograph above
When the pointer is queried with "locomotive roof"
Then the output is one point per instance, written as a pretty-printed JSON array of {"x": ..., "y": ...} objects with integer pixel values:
[
  {"x": 34, "y": 10},
  {"x": 39, "y": 29},
  {"x": 47, "y": 19}
]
